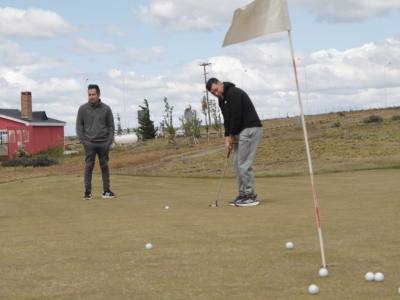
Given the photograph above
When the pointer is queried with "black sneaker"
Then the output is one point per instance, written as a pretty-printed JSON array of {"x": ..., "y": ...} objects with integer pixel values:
[
  {"x": 108, "y": 194},
  {"x": 87, "y": 196},
  {"x": 249, "y": 200},
  {"x": 233, "y": 202}
]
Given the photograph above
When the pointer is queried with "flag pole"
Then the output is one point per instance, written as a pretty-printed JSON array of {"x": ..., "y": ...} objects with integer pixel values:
[{"x": 310, "y": 166}]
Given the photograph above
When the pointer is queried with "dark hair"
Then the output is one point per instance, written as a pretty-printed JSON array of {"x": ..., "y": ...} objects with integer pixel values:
[
  {"x": 94, "y": 86},
  {"x": 210, "y": 82}
]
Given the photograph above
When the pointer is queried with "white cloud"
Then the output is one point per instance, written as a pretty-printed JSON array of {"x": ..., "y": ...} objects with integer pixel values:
[
  {"x": 33, "y": 23},
  {"x": 11, "y": 54},
  {"x": 362, "y": 67},
  {"x": 115, "y": 30},
  {"x": 330, "y": 79},
  {"x": 14, "y": 56},
  {"x": 18, "y": 79},
  {"x": 20, "y": 70},
  {"x": 349, "y": 10},
  {"x": 144, "y": 55},
  {"x": 95, "y": 47},
  {"x": 189, "y": 14},
  {"x": 186, "y": 15}
]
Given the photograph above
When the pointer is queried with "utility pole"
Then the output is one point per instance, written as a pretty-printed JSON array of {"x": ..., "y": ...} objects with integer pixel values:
[
  {"x": 385, "y": 81},
  {"x": 205, "y": 65}
]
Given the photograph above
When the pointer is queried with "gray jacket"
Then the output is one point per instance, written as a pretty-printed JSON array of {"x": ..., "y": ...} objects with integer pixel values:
[{"x": 95, "y": 123}]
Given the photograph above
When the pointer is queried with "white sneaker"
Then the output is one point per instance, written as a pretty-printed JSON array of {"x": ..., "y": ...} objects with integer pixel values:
[{"x": 248, "y": 201}]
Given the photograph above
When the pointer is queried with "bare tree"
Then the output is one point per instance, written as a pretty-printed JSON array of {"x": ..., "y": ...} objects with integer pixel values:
[{"x": 167, "y": 124}]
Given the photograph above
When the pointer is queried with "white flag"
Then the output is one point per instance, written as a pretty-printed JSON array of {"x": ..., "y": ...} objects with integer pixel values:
[{"x": 258, "y": 18}]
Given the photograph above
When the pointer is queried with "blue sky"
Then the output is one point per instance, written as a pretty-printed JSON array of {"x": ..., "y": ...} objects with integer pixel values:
[{"x": 151, "y": 49}]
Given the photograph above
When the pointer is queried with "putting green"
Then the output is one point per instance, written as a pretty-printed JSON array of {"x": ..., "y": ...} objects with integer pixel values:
[{"x": 56, "y": 246}]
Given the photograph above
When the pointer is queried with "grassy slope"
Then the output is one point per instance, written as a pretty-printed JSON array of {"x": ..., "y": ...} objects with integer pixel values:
[{"x": 352, "y": 146}]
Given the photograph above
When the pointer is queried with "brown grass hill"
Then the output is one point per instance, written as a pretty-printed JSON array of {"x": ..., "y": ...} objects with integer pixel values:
[{"x": 343, "y": 141}]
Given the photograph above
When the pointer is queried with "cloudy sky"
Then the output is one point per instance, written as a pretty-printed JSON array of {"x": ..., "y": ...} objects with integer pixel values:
[{"x": 348, "y": 53}]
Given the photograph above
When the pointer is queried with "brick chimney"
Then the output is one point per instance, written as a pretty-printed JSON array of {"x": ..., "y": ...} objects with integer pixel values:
[{"x": 26, "y": 105}]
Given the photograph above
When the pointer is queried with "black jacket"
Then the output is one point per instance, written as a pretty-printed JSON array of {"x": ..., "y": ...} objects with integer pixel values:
[{"x": 238, "y": 110}]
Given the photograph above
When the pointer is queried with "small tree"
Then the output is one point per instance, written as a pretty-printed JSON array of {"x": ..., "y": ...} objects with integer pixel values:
[
  {"x": 146, "y": 126},
  {"x": 204, "y": 109},
  {"x": 167, "y": 124},
  {"x": 119, "y": 128},
  {"x": 21, "y": 153},
  {"x": 191, "y": 123},
  {"x": 216, "y": 117}
]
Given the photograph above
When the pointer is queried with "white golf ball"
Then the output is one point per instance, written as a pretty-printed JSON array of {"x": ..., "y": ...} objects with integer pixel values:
[
  {"x": 149, "y": 246},
  {"x": 166, "y": 207},
  {"x": 323, "y": 272},
  {"x": 379, "y": 276},
  {"x": 369, "y": 276},
  {"x": 313, "y": 289},
  {"x": 289, "y": 245}
]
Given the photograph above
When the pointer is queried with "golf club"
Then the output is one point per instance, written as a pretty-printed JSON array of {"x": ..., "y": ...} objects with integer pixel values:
[{"x": 215, "y": 204}]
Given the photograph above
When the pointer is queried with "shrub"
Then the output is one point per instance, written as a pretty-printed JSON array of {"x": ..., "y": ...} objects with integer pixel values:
[
  {"x": 395, "y": 118},
  {"x": 341, "y": 114},
  {"x": 42, "y": 160},
  {"x": 54, "y": 152},
  {"x": 17, "y": 162},
  {"x": 336, "y": 124},
  {"x": 373, "y": 119}
]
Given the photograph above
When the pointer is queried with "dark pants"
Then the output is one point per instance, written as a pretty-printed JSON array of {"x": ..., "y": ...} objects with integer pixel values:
[{"x": 101, "y": 150}]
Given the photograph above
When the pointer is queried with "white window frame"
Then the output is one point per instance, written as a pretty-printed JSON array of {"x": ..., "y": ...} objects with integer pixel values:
[{"x": 4, "y": 137}]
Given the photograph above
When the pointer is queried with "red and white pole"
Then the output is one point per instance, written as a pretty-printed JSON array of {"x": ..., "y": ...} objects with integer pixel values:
[{"x": 310, "y": 166}]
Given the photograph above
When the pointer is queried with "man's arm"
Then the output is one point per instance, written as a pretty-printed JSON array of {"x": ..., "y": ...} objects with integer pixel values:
[
  {"x": 111, "y": 127},
  {"x": 80, "y": 126}
]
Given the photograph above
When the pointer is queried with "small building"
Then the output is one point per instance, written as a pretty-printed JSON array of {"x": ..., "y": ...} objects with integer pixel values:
[{"x": 33, "y": 130}]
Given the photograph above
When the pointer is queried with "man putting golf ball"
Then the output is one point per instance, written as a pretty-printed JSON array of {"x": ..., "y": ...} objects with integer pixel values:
[{"x": 243, "y": 132}]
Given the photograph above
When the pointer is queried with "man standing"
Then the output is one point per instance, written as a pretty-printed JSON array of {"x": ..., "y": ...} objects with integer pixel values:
[
  {"x": 243, "y": 133},
  {"x": 95, "y": 130}
]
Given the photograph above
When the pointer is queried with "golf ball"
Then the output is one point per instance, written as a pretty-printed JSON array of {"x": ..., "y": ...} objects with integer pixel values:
[
  {"x": 369, "y": 276},
  {"x": 379, "y": 276},
  {"x": 289, "y": 245},
  {"x": 149, "y": 246},
  {"x": 166, "y": 207},
  {"x": 323, "y": 272},
  {"x": 313, "y": 289}
]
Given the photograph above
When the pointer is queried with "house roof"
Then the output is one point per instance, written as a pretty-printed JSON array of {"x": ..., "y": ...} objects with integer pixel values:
[{"x": 39, "y": 118}]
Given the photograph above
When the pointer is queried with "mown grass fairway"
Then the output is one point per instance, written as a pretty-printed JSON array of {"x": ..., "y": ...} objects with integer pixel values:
[{"x": 56, "y": 246}]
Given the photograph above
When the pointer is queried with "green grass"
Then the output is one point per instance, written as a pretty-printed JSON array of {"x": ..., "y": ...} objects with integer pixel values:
[{"x": 56, "y": 246}]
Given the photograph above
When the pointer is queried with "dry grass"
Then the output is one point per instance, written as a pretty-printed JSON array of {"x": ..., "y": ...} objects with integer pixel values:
[
  {"x": 56, "y": 246},
  {"x": 351, "y": 145}
]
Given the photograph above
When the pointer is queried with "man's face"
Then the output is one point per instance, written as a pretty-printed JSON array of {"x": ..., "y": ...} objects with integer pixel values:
[
  {"x": 217, "y": 89},
  {"x": 93, "y": 96}
]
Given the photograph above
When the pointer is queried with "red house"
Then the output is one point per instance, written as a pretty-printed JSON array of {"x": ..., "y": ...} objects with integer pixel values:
[{"x": 34, "y": 130}]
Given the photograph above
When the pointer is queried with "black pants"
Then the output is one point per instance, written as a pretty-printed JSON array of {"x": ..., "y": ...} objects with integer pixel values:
[{"x": 101, "y": 150}]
